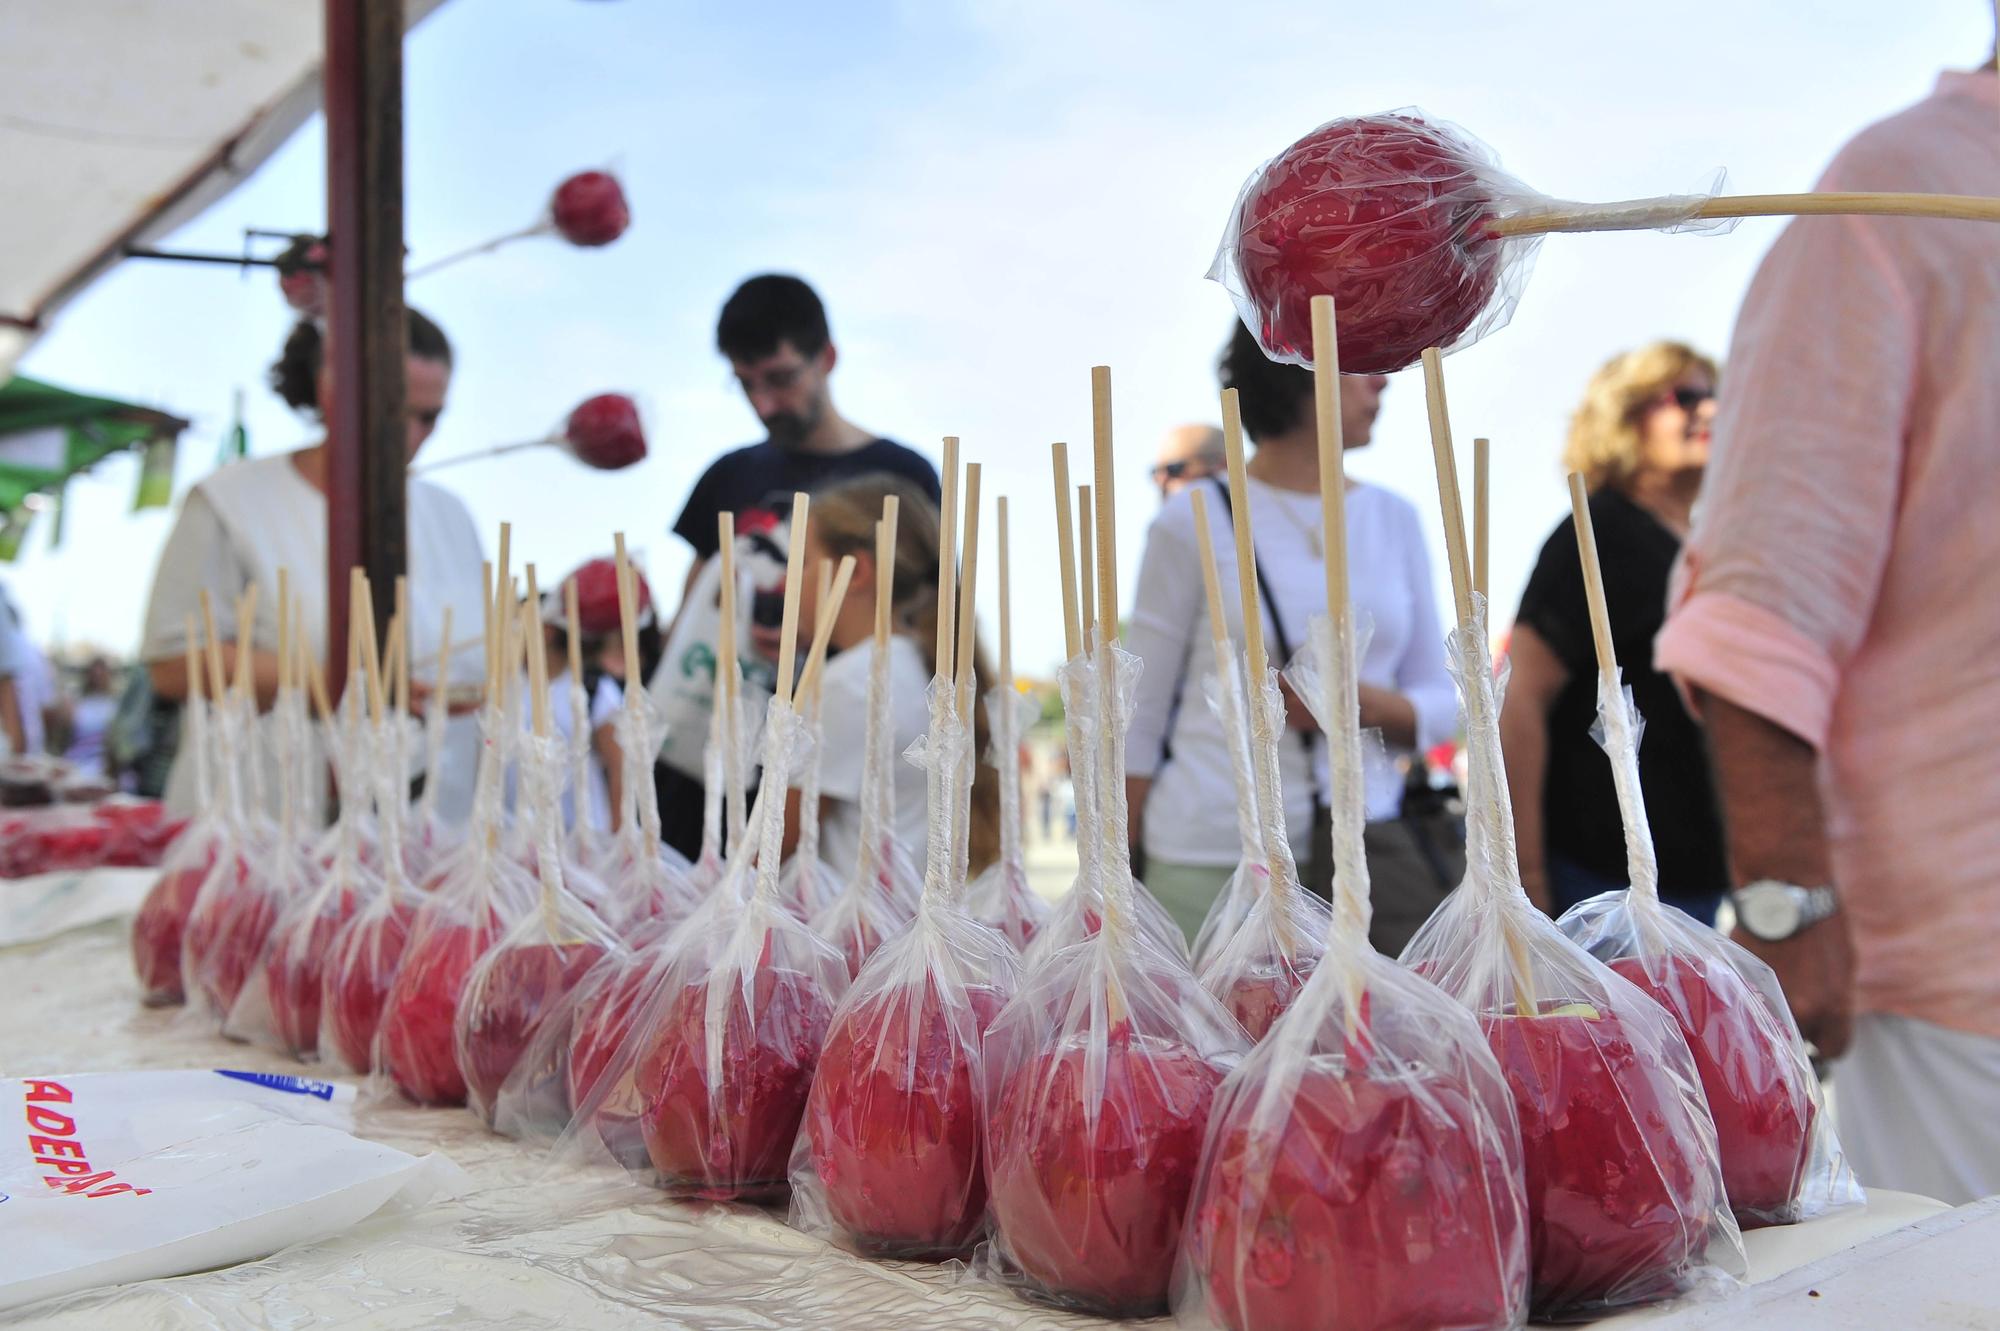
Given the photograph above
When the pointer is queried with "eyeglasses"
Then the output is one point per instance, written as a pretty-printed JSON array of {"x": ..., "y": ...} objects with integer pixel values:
[
  {"x": 1687, "y": 398},
  {"x": 1183, "y": 467}
]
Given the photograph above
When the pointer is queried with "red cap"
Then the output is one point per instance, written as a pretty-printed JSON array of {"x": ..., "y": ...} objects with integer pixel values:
[{"x": 597, "y": 598}]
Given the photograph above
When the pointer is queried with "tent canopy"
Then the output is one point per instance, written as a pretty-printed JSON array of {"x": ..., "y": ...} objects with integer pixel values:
[
  {"x": 48, "y": 434},
  {"x": 122, "y": 119}
]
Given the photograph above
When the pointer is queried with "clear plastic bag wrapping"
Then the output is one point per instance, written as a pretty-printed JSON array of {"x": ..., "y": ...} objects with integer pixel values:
[
  {"x": 1389, "y": 214},
  {"x": 1001, "y": 896},
  {"x": 1224, "y": 691},
  {"x": 1781, "y": 1162},
  {"x": 162, "y": 917},
  {"x": 1098, "y": 1075},
  {"x": 1625, "y": 1188}
]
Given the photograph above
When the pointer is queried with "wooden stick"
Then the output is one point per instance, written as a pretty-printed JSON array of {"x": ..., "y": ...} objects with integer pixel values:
[
  {"x": 444, "y": 655},
  {"x": 285, "y": 681},
  {"x": 1481, "y": 451},
  {"x": 1593, "y": 580},
  {"x": 1006, "y": 601},
  {"x": 503, "y": 614},
  {"x": 355, "y": 679},
  {"x": 246, "y": 641},
  {"x": 315, "y": 676},
  {"x": 487, "y": 625},
  {"x": 216, "y": 687},
  {"x": 538, "y": 659},
  {"x": 574, "y": 622},
  {"x": 1952, "y": 207},
  {"x": 392, "y": 650},
  {"x": 1086, "y": 558},
  {"x": 1447, "y": 477},
  {"x": 628, "y": 612},
  {"x": 947, "y": 602},
  {"x": 1342, "y": 710},
  {"x": 1211, "y": 580},
  {"x": 193, "y": 661},
  {"x": 967, "y": 616},
  {"x": 816, "y": 658},
  {"x": 403, "y": 645},
  {"x": 795, "y": 581},
  {"x": 1066, "y": 548},
  {"x": 885, "y": 571},
  {"x": 371, "y": 660},
  {"x": 823, "y": 599},
  {"x": 1107, "y": 493},
  {"x": 1246, "y": 551},
  {"x": 726, "y": 678}
]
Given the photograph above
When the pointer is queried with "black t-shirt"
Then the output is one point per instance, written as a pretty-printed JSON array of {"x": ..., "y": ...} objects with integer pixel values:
[
  {"x": 1579, "y": 804},
  {"x": 760, "y": 479}
]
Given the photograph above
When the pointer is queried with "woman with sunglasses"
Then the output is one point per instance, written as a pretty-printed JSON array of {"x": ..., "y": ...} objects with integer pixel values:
[{"x": 1640, "y": 439}]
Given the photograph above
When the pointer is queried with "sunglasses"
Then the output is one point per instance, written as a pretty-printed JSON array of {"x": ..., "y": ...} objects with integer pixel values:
[{"x": 1687, "y": 399}]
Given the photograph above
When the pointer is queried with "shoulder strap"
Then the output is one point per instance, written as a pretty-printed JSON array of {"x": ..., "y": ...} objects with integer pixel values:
[{"x": 1283, "y": 639}]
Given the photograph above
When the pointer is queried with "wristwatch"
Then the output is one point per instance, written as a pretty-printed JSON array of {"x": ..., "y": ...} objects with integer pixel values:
[{"x": 1774, "y": 911}]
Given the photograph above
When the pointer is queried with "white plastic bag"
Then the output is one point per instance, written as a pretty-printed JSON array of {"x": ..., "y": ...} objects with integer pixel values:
[
  {"x": 126, "y": 1176},
  {"x": 1002, "y": 896}
]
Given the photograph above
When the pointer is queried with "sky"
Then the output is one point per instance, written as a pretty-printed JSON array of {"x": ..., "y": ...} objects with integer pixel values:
[{"x": 992, "y": 198}]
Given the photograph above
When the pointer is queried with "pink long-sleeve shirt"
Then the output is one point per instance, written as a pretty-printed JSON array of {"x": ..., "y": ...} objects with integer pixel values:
[{"x": 1843, "y": 576}]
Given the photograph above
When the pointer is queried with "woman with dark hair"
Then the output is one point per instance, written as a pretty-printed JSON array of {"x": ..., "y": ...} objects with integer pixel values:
[
  {"x": 248, "y": 520},
  {"x": 1181, "y": 793}
]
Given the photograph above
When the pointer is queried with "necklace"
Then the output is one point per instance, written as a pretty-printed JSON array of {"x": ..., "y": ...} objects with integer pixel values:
[{"x": 1314, "y": 534}]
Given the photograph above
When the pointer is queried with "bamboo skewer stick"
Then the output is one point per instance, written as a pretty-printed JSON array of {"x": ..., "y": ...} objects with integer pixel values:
[
  {"x": 728, "y": 685},
  {"x": 1482, "y": 449},
  {"x": 1593, "y": 581},
  {"x": 1522, "y": 975},
  {"x": 538, "y": 660},
  {"x": 1066, "y": 549},
  {"x": 486, "y": 625},
  {"x": 403, "y": 645},
  {"x": 1211, "y": 579},
  {"x": 885, "y": 572},
  {"x": 1107, "y": 509},
  {"x": 1603, "y": 217},
  {"x": 217, "y": 688},
  {"x": 795, "y": 581},
  {"x": 1087, "y": 564},
  {"x": 967, "y": 618},
  {"x": 947, "y": 601},
  {"x": 285, "y": 681},
  {"x": 628, "y": 613},
  {"x": 810, "y": 677}
]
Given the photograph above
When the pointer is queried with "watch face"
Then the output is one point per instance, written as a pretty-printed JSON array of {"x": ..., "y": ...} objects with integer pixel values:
[{"x": 1768, "y": 910}]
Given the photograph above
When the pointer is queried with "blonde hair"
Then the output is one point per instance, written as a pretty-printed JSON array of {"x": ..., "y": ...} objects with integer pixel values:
[
  {"x": 1604, "y": 438},
  {"x": 843, "y": 522}
]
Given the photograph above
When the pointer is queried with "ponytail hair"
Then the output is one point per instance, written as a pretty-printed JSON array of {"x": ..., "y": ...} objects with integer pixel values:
[{"x": 843, "y": 523}]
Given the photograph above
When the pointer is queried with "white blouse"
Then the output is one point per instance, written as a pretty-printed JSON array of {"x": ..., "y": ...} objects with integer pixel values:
[{"x": 1190, "y": 815}]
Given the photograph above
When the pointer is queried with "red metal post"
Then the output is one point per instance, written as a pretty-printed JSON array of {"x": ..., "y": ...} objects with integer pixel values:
[{"x": 365, "y": 508}]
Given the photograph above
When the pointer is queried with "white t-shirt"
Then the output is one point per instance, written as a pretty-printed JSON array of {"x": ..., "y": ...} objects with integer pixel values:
[
  {"x": 605, "y": 701},
  {"x": 248, "y": 520},
  {"x": 1190, "y": 813},
  {"x": 844, "y": 724}
]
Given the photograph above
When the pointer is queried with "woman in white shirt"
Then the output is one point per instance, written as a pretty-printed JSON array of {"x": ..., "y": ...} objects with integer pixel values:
[
  {"x": 842, "y": 523},
  {"x": 249, "y": 519},
  {"x": 1182, "y": 795}
]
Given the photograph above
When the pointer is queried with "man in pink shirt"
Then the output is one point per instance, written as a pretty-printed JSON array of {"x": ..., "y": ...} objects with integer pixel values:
[{"x": 1837, "y": 617}]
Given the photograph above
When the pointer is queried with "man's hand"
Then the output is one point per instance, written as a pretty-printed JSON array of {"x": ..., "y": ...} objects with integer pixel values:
[
  {"x": 1816, "y": 968},
  {"x": 1767, "y": 778}
]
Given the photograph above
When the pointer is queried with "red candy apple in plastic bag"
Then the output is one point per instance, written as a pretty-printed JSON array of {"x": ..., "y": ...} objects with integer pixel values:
[
  {"x": 605, "y": 433},
  {"x": 724, "y": 1055},
  {"x": 889, "y": 1160},
  {"x": 1001, "y": 896},
  {"x": 1625, "y": 1188},
  {"x": 478, "y": 896},
  {"x": 1363, "y": 1166},
  {"x": 281, "y": 1003},
  {"x": 1257, "y": 970},
  {"x": 547, "y": 951},
  {"x": 162, "y": 917},
  {"x": 589, "y": 209},
  {"x": 1391, "y": 215},
  {"x": 1098, "y": 1076},
  {"x": 1780, "y": 1160}
]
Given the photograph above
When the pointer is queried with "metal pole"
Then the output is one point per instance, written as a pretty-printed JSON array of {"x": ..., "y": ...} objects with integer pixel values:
[{"x": 365, "y": 507}]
